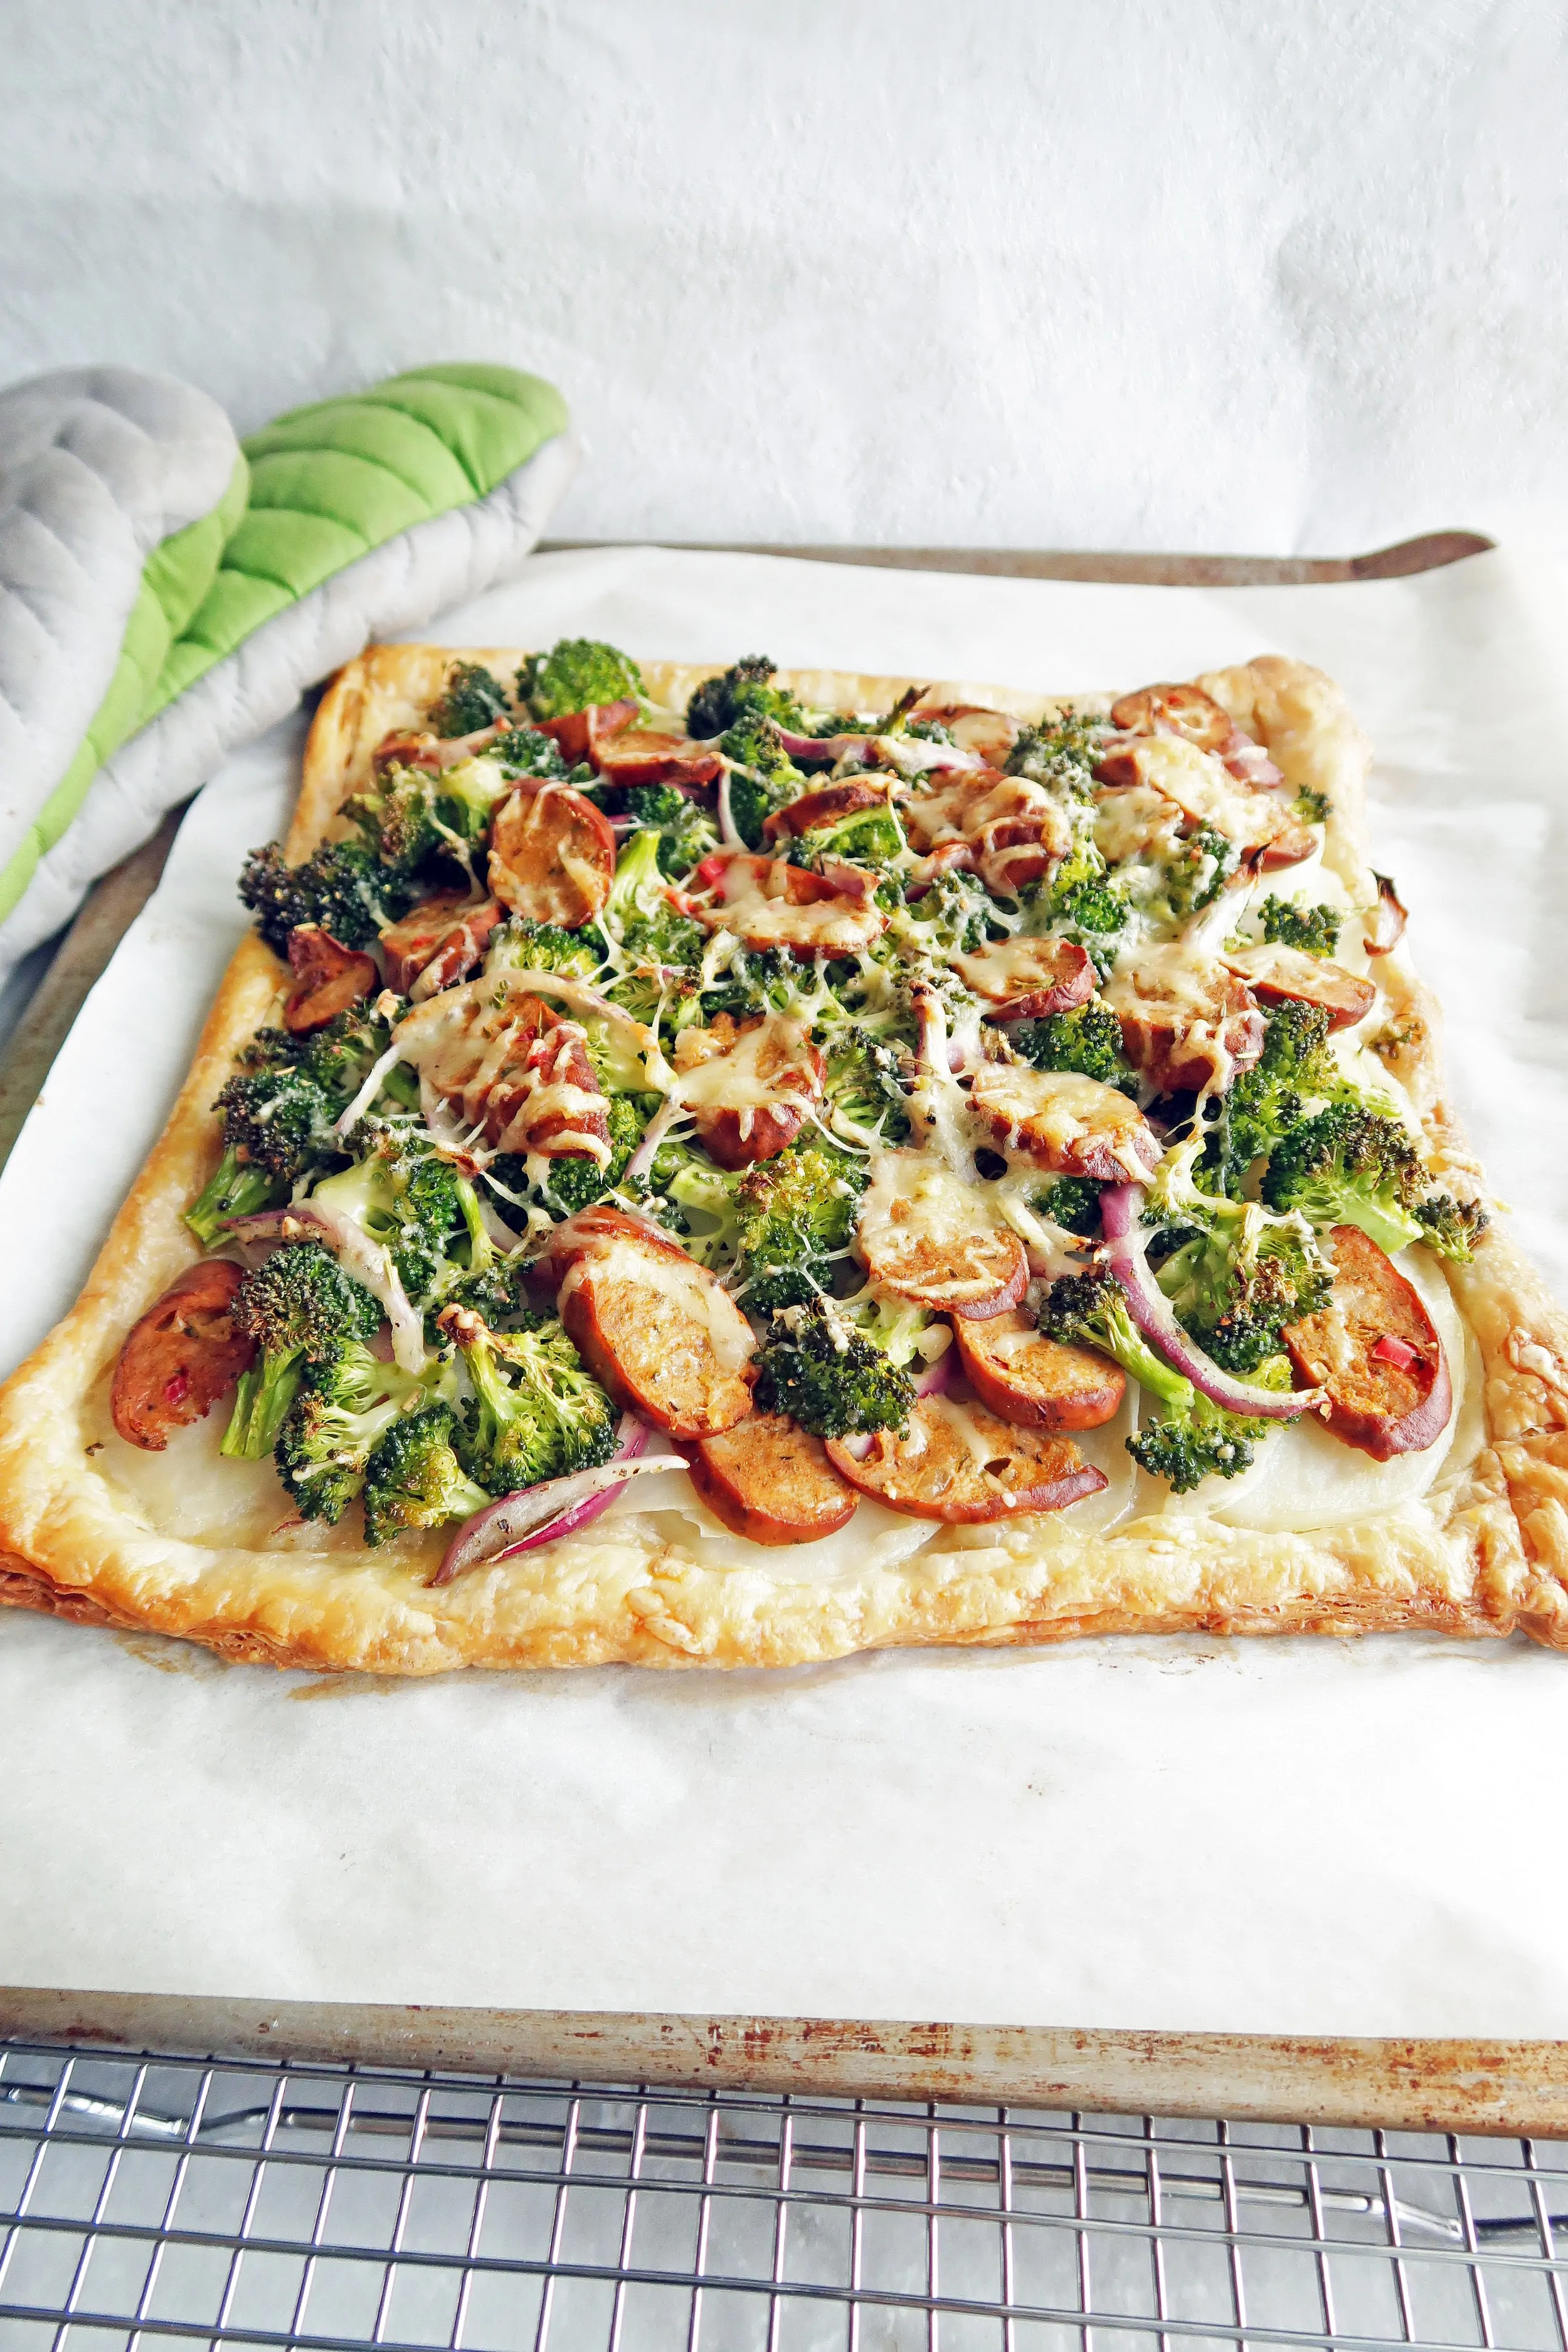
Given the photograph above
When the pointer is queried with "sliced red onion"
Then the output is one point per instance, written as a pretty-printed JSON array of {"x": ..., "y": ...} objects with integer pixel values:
[
  {"x": 1155, "y": 1317},
  {"x": 538, "y": 1515},
  {"x": 359, "y": 1255},
  {"x": 729, "y": 831},
  {"x": 1390, "y": 1350},
  {"x": 653, "y": 1133},
  {"x": 1387, "y": 926},
  {"x": 822, "y": 750},
  {"x": 936, "y": 1376}
]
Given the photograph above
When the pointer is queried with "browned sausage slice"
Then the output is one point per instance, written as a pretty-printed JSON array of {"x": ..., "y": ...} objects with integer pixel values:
[
  {"x": 932, "y": 1236},
  {"x": 1376, "y": 1351},
  {"x": 507, "y": 1061},
  {"x": 771, "y": 1480},
  {"x": 1281, "y": 975},
  {"x": 581, "y": 733},
  {"x": 460, "y": 953},
  {"x": 639, "y": 756},
  {"x": 329, "y": 978},
  {"x": 973, "y": 728},
  {"x": 181, "y": 1357},
  {"x": 552, "y": 856},
  {"x": 1168, "y": 710},
  {"x": 959, "y": 1462},
  {"x": 828, "y": 806},
  {"x": 1186, "y": 1022},
  {"x": 1027, "y": 979},
  {"x": 661, "y": 1335},
  {"x": 408, "y": 945},
  {"x": 749, "y": 1085},
  {"x": 1071, "y": 1124},
  {"x": 1036, "y": 1383}
]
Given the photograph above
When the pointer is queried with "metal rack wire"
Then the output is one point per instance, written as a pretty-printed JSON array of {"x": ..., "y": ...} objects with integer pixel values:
[{"x": 168, "y": 2201}]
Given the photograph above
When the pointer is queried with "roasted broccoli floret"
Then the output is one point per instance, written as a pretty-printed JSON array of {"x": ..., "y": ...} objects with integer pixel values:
[
  {"x": 524, "y": 752},
  {"x": 1312, "y": 807},
  {"x": 639, "y": 915},
  {"x": 1194, "y": 1439},
  {"x": 1058, "y": 751},
  {"x": 873, "y": 835},
  {"x": 1198, "y": 870},
  {"x": 345, "y": 1404},
  {"x": 744, "y": 690},
  {"x": 795, "y": 1214},
  {"x": 1294, "y": 1067},
  {"x": 235, "y": 1189},
  {"x": 342, "y": 886},
  {"x": 863, "y": 1093},
  {"x": 1088, "y": 1039},
  {"x": 768, "y": 778},
  {"x": 1451, "y": 1227},
  {"x": 1348, "y": 1165},
  {"x": 414, "y": 1479},
  {"x": 519, "y": 945},
  {"x": 828, "y": 1377},
  {"x": 576, "y": 674},
  {"x": 1072, "y": 1202},
  {"x": 472, "y": 699},
  {"x": 396, "y": 819},
  {"x": 1236, "y": 1274},
  {"x": 535, "y": 1413},
  {"x": 573, "y": 1183},
  {"x": 421, "y": 1209},
  {"x": 954, "y": 914},
  {"x": 890, "y": 1323},
  {"x": 277, "y": 1119},
  {"x": 682, "y": 828},
  {"x": 1314, "y": 929},
  {"x": 297, "y": 1306},
  {"x": 467, "y": 798}
]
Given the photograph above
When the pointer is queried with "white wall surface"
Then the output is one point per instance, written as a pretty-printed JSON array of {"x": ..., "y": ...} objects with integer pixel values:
[{"x": 1265, "y": 274}]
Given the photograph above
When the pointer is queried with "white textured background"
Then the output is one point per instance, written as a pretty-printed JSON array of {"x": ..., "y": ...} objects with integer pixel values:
[{"x": 1265, "y": 274}]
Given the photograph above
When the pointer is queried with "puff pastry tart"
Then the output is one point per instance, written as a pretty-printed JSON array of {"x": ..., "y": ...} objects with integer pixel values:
[{"x": 704, "y": 1168}]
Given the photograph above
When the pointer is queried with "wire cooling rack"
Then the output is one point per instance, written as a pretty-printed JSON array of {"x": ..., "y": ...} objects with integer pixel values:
[{"x": 160, "y": 2201}]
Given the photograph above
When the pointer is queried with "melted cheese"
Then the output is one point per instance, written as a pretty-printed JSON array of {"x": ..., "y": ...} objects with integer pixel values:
[
  {"x": 756, "y": 905},
  {"x": 1180, "y": 987},
  {"x": 467, "y": 1042},
  {"x": 1010, "y": 968},
  {"x": 1201, "y": 786},
  {"x": 763, "y": 1066},
  {"x": 1052, "y": 1112}
]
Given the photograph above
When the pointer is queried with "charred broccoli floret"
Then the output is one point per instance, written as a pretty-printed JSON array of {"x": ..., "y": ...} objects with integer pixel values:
[
  {"x": 742, "y": 691},
  {"x": 1198, "y": 870},
  {"x": 472, "y": 698},
  {"x": 346, "y": 1403},
  {"x": 279, "y": 1110},
  {"x": 1088, "y": 1039},
  {"x": 1314, "y": 929},
  {"x": 1072, "y": 1202},
  {"x": 519, "y": 945},
  {"x": 414, "y": 1479},
  {"x": 396, "y": 817},
  {"x": 573, "y": 1183},
  {"x": 535, "y": 1413},
  {"x": 1194, "y": 1439},
  {"x": 1236, "y": 1274},
  {"x": 863, "y": 1094},
  {"x": 1451, "y": 1227},
  {"x": 277, "y": 1119},
  {"x": 1266, "y": 1101},
  {"x": 423, "y": 1210},
  {"x": 793, "y": 1214},
  {"x": 1348, "y": 1165},
  {"x": 576, "y": 674},
  {"x": 954, "y": 914},
  {"x": 297, "y": 1306},
  {"x": 828, "y": 1377},
  {"x": 342, "y": 886}
]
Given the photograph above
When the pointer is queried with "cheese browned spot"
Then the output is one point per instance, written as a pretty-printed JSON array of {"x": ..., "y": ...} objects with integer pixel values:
[
  {"x": 660, "y": 1334},
  {"x": 959, "y": 1462},
  {"x": 552, "y": 856},
  {"x": 1188, "y": 1023},
  {"x": 502, "y": 1060},
  {"x": 1027, "y": 979},
  {"x": 1064, "y": 1122},
  {"x": 748, "y": 1086},
  {"x": 771, "y": 1481},
  {"x": 931, "y": 1234},
  {"x": 1281, "y": 975},
  {"x": 1037, "y": 1381}
]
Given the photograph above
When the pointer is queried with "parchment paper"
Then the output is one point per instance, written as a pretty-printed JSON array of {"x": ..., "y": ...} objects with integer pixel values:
[{"x": 1302, "y": 1836}]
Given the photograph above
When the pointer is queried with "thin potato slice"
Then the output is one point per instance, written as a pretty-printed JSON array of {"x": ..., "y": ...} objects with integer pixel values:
[
  {"x": 960, "y": 1464},
  {"x": 181, "y": 1357},
  {"x": 932, "y": 1236},
  {"x": 1036, "y": 1383},
  {"x": 1375, "y": 1351},
  {"x": 771, "y": 1481},
  {"x": 552, "y": 856},
  {"x": 1068, "y": 1124},
  {"x": 1281, "y": 975},
  {"x": 661, "y": 1335}
]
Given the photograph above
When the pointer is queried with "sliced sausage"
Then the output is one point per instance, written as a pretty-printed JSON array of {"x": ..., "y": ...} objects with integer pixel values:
[
  {"x": 959, "y": 1462},
  {"x": 638, "y": 756},
  {"x": 506, "y": 1062},
  {"x": 660, "y": 1333},
  {"x": 552, "y": 856},
  {"x": 1027, "y": 979},
  {"x": 460, "y": 953},
  {"x": 1281, "y": 975},
  {"x": 771, "y": 1481},
  {"x": 408, "y": 945},
  {"x": 1014, "y": 829},
  {"x": 328, "y": 976},
  {"x": 1263, "y": 827},
  {"x": 406, "y": 749},
  {"x": 1376, "y": 1351},
  {"x": 1188, "y": 1023},
  {"x": 578, "y": 733},
  {"x": 831, "y": 805},
  {"x": 932, "y": 1236},
  {"x": 990, "y": 733},
  {"x": 1071, "y": 1124},
  {"x": 181, "y": 1357},
  {"x": 749, "y": 1085},
  {"x": 769, "y": 903},
  {"x": 1168, "y": 710},
  {"x": 595, "y": 1227},
  {"x": 1036, "y": 1383}
]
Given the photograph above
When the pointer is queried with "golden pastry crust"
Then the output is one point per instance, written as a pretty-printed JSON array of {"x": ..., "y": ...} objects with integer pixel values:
[{"x": 1484, "y": 1552}]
